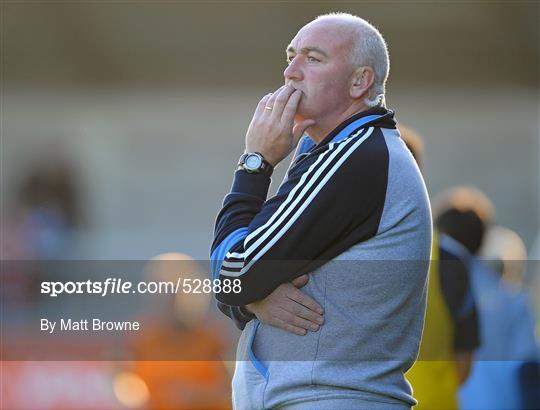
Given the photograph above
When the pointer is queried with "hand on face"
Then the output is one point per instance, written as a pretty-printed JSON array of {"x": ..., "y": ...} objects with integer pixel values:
[{"x": 272, "y": 131}]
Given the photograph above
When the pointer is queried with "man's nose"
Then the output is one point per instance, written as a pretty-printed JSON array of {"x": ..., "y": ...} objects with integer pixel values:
[{"x": 293, "y": 70}]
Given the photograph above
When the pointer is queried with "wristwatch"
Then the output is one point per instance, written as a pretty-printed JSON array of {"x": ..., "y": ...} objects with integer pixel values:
[{"x": 254, "y": 163}]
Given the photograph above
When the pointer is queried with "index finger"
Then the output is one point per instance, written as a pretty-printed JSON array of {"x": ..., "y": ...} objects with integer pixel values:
[
  {"x": 290, "y": 108},
  {"x": 305, "y": 300}
]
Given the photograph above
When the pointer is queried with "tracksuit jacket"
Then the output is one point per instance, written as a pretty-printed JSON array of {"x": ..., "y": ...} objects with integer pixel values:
[{"x": 353, "y": 212}]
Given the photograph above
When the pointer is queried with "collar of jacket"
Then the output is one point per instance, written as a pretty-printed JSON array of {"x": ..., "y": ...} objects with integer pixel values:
[{"x": 376, "y": 116}]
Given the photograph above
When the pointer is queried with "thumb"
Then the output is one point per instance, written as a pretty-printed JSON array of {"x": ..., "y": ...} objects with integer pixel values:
[
  {"x": 300, "y": 281},
  {"x": 299, "y": 129}
]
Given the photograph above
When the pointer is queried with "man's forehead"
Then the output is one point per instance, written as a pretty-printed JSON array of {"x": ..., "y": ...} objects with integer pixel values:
[{"x": 321, "y": 36}]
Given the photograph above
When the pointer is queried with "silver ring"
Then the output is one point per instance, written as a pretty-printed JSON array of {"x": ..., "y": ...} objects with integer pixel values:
[{"x": 268, "y": 108}]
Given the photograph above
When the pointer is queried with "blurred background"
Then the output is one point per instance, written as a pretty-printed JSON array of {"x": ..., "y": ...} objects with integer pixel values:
[{"x": 122, "y": 122}]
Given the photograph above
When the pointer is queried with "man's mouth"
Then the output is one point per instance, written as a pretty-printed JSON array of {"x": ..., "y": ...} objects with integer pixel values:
[{"x": 296, "y": 88}]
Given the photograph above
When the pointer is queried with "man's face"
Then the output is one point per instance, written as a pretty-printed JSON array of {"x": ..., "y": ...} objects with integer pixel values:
[{"x": 319, "y": 66}]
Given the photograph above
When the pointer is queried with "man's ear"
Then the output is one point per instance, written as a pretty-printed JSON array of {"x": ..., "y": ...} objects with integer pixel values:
[{"x": 362, "y": 80}]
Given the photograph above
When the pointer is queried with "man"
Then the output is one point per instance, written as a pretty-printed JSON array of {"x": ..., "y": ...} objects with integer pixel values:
[{"x": 352, "y": 212}]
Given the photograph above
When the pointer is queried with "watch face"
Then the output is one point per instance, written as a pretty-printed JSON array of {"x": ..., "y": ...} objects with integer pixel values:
[{"x": 253, "y": 161}]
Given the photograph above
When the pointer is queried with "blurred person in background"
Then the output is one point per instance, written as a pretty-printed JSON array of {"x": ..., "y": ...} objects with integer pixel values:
[
  {"x": 48, "y": 199},
  {"x": 39, "y": 218},
  {"x": 450, "y": 333},
  {"x": 506, "y": 336},
  {"x": 506, "y": 253},
  {"x": 179, "y": 351}
]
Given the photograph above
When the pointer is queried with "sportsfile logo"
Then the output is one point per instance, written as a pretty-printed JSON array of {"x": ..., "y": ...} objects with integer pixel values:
[{"x": 109, "y": 286}]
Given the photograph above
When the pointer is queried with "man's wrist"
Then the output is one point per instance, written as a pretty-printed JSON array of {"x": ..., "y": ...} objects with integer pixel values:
[
  {"x": 251, "y": 184},
  {"x": 255, "y": 163}
]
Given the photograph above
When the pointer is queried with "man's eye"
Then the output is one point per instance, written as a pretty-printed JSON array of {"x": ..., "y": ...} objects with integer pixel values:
[
  {"x": 313, "y": 59},
  {"x": 289, "y": 59}
]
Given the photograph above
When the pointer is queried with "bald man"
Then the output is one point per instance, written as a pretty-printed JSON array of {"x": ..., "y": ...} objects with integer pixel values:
[{"x": 352, "y": 213}]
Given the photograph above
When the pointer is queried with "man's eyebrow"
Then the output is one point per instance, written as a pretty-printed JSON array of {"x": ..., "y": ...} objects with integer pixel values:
[{"x": 305, "y": 50}]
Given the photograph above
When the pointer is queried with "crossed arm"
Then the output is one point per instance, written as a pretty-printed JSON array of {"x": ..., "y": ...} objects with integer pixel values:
[{"x": 287, "y": 307}]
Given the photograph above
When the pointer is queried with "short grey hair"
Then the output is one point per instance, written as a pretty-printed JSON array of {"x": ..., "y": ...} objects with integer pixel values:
[{"x": 368, "y": 49}]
